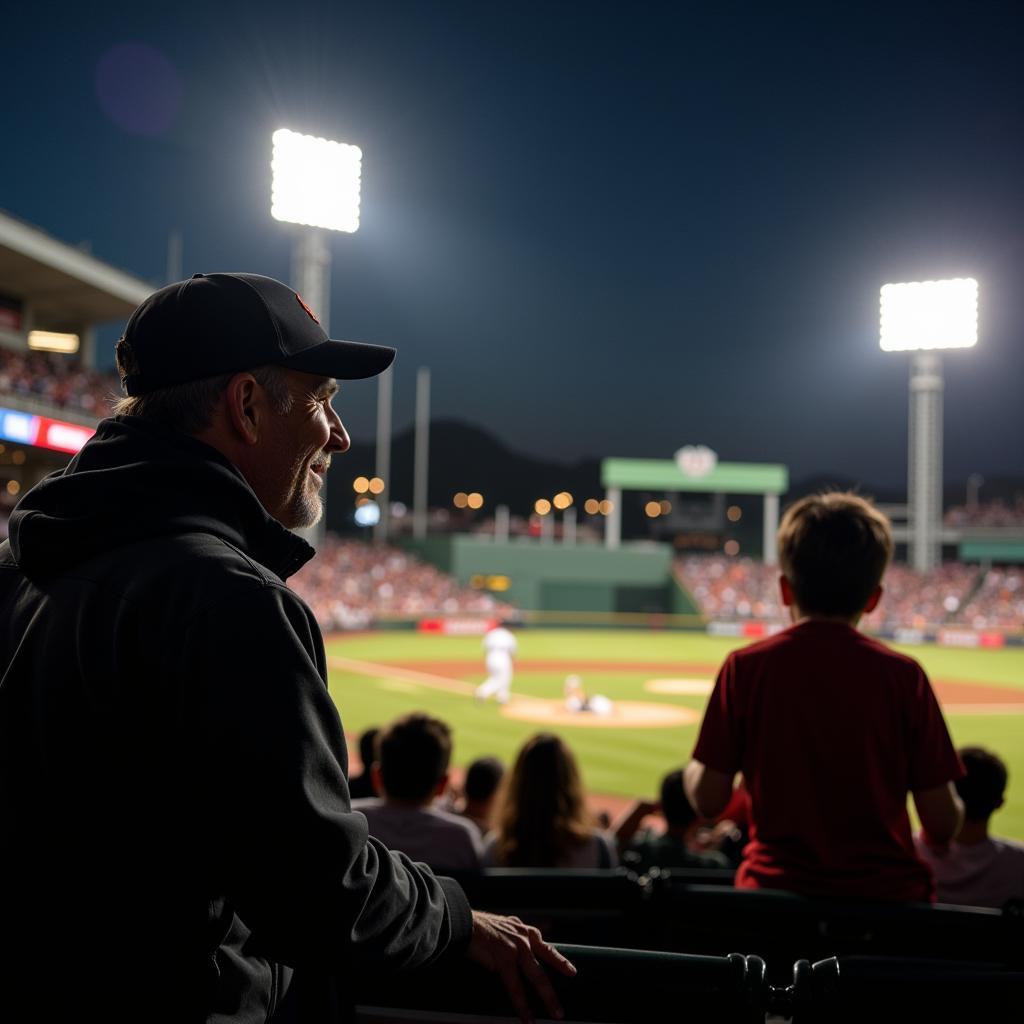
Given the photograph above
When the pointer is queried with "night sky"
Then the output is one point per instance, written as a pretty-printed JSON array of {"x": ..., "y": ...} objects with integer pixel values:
[{"x": 609, "y": 229}]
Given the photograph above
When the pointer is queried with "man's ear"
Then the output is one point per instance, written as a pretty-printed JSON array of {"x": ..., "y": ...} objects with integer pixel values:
[
  {"x": 376, "y": 779},
  {"x": 876, "y": 596},
  {"x": 243, "y": 400},
  {"x": 786, "y": 589}
]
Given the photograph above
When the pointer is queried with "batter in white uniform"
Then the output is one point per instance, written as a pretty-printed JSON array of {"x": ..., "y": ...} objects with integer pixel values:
[{"x": 500, "y": 645}]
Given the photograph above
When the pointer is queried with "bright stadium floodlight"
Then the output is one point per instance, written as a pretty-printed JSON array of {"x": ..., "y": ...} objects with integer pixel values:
[
  {"x": 925, "y": 315},
  {"x": 316, "y": 182}
]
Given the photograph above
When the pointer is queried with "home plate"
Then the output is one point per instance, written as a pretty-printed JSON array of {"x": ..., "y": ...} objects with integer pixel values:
[{"x": 698, "y": 687}]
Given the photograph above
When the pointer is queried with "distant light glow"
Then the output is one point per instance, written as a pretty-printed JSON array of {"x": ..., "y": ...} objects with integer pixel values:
[
  {"x": 461, "y": 499},
  {"x": 924, "y": 315},
  {"x": 376, "y": 485},
  {"x": 734, "y": 513},
  {"x": 360, "y": 485},
  {"x": 562, "y": 500},
  {"x": 368, "y": 514},
  {"x": 652, "y": 509},
  {"x": 315, "y": 181},
  {"x": 13, "y": 487},
  {"x": 696, "y": 460},
  {"x": 475, "y": 500},
  {"x": 666, "y": 507},
  {"x": 607, "y": 507},
  {"x": 52, "y": 341},
  {"x": 732, "y": 547},
  {"x": 591, "y": 506},
  {"x": 542, "y": 506}
]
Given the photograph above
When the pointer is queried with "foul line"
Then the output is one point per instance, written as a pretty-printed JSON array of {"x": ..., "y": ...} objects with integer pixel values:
[{"x": 427, "y": 679}]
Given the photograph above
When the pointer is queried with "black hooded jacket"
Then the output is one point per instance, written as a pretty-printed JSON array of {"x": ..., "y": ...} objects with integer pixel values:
[{"x": 176, "y": 839}]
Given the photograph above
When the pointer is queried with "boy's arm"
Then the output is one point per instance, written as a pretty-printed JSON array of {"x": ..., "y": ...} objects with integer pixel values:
[
  {"x": 941, "y": 812},
  {"x": 708, "y": 790}
]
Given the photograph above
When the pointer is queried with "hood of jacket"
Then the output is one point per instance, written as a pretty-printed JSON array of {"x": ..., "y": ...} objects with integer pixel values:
[{"x": 136, "y": 480}]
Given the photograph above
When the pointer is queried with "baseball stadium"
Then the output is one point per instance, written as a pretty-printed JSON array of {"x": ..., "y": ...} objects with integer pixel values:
[{"x": 619, "y": 598}]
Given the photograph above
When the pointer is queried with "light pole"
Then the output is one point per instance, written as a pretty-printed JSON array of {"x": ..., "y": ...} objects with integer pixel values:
[
  {"x": 315, "y": 184},
  {"x": 924, "y": 317}
]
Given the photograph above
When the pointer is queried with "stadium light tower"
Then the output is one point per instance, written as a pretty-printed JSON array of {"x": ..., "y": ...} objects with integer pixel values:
[
  {"x": 316, "y": 183},
  {"x": 924, "y": 317}
]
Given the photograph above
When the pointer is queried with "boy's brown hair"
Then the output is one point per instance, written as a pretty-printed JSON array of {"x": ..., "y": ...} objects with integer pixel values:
[{"x": 833, "y": 549}]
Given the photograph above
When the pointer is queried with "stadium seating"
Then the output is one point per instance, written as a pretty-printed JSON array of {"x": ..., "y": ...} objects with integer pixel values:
[
  {"x": 782, "y": 927},
  {"x": 592, "y": 907},
  {"x": 612, "y": 985}
]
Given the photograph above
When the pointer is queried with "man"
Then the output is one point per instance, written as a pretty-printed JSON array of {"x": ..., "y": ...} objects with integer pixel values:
[
  {"x": 410, "y": 772},
  {"x": 500, "y": 645},
  {"x": 176, "y": 835}
]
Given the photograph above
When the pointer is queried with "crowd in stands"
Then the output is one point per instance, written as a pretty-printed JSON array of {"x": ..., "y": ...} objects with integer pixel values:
[
  {"x": 953, "y": 593},
  {"x": 535, "y": 816},
  {"x": 351, "y": 584},
  {"x": 58, "y": 381},
  {"x": 988, "y": 513}
]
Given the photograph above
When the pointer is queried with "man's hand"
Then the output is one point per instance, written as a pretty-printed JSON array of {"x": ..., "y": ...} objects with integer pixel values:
[{"x": 512, "y": 950}]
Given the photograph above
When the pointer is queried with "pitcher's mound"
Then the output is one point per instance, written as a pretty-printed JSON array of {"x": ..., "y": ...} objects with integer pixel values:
[
  {"x": 625, "y": 714},
  {"x": 690, "y": 687}
]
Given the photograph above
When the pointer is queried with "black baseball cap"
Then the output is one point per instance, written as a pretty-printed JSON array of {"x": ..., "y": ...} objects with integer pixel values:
[{"x": 224, "y": 323}]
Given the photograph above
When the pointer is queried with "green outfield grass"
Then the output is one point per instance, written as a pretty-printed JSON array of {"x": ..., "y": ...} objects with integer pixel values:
[{"x": 626, "y": 762}]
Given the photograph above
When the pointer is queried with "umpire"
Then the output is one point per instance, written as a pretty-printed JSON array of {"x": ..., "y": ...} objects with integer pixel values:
[{"x": 176, "y": 839}]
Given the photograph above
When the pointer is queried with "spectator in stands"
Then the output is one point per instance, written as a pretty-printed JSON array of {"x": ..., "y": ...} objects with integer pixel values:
[
  {"x": 174, "y": 803},
  {"x": 668, "y": 849},
  {"x": 829, "y": 728},
  {"x": 411, "y": 772},
  {"x": 975, "y": 868},
  {"x": 542, "y": 821},
  {"x": 480, "y": 790},
  {"x": 361, "y": 786}
]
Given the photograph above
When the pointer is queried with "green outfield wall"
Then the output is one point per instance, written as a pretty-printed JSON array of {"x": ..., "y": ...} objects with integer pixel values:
[{"x": 552, "y": 577}]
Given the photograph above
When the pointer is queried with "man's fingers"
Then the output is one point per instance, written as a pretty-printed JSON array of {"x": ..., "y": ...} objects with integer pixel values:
[
  {"x": 542, "y": 985},
  {"x": 514, "y": 987},
  {"x": 546, "y": 952}
]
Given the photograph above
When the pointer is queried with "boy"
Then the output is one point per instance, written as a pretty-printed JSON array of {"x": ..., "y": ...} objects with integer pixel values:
[
  {"x": 830, "y": 729},
  {"x": 977, "y": 869}
]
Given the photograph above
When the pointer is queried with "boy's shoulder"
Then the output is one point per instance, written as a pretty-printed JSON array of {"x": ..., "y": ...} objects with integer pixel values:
[{"x": 813, "y": 637}]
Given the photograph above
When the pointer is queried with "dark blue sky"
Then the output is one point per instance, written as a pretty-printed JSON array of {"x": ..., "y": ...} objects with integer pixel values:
[{"x": 609, "y": 229}]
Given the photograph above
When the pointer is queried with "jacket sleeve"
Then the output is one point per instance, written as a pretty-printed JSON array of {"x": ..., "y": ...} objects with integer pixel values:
[{"x": 284, "y": 845}]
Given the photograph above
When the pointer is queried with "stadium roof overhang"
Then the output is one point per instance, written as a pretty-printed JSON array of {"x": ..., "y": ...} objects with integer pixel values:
[
  {"x": 63, "y": 285},
  {"x": 723, "y": 478}
]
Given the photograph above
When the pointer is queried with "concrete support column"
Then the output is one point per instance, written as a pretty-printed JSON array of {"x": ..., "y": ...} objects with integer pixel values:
[
  {"x": 771, "y": 527},
  {"x": 569, "y": 527},
  {"x": 613, "y": 521},
  {"x": 420, "y": 470},
  {"x": 501, "y": 524},
  {"x": 924, "y": 470}
]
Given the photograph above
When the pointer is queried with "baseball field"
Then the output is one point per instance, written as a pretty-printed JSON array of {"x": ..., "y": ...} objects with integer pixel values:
[{"x": 658, "y": 684}]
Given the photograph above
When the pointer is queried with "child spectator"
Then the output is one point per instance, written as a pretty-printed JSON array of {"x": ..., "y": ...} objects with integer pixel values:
[
  {"x": 480, "y": 790},
  {"x": 671, "y": 848},
  {"x": 361, "y": 786},
  {"x": 542, "y": 821},
  {"x": 830, "y": 728},
  {"x": 977, "y": 869},
  {"x": 410, "y": 771}
]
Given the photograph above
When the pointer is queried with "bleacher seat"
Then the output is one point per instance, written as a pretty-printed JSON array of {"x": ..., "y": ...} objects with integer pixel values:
[{"x": 612, "y": 986}]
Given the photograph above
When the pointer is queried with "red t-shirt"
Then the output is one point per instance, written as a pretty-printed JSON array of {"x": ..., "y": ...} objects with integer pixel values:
[{"x": 831, "y": 730}]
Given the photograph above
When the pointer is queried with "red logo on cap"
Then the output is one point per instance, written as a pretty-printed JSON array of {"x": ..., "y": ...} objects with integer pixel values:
[{"x": 312, "y": 315}]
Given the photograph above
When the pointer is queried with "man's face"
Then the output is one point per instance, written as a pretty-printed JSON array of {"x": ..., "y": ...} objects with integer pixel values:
[{"x": 296, "y": 451}]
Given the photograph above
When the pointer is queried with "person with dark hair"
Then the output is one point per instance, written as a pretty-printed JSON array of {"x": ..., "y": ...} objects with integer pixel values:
[
  {"x": 668, "y": 849},
  {"x": 829, "y": 728},
  {"x": 479, "y": 791},
  {"x": 361, "y": 786},
  {"x": 541, "y": 817},
  {"x": 975, "y": 868},
  {"x": 176, "y": 827},
  {"x": 411, "y": 772}
]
